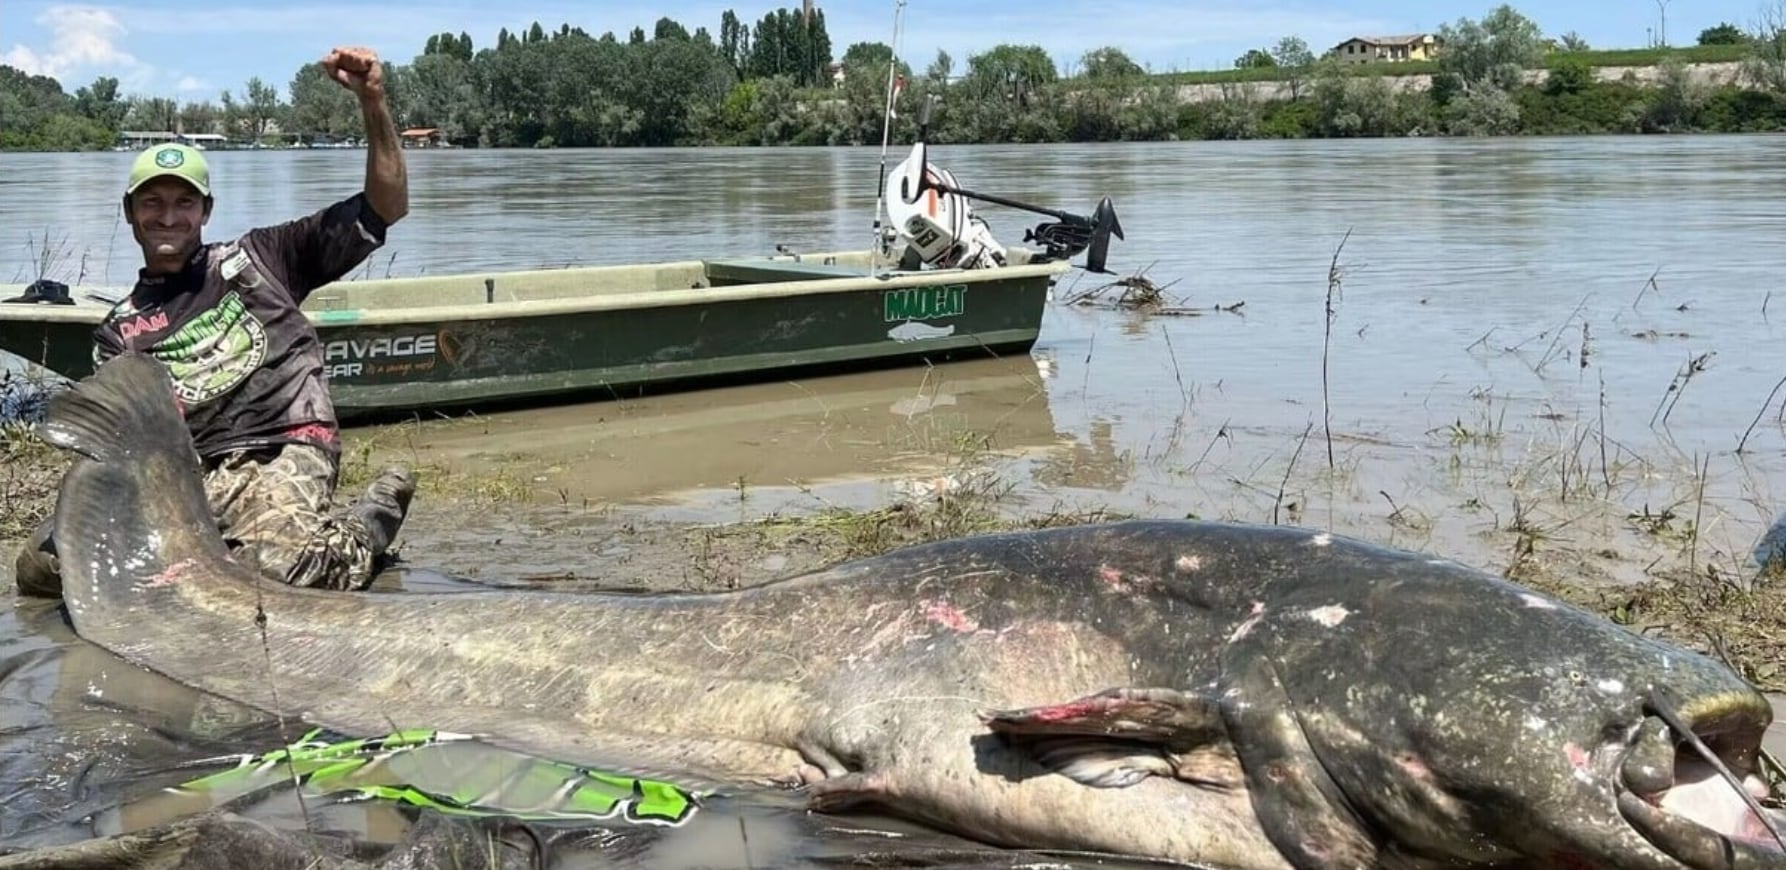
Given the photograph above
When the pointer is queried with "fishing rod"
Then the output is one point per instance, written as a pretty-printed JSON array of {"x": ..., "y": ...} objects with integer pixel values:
[{"x": 887, "y": 115}]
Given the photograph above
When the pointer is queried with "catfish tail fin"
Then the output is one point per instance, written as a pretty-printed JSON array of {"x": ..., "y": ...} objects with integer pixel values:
[{"x": 132, "y": 514}]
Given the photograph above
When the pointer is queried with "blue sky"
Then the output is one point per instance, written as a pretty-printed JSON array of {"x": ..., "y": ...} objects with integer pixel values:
[{"x": 194, "y": 50}]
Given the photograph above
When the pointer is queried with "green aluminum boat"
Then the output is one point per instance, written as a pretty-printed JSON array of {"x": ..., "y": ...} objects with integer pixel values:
[
  {"x": 460, "y": 341},
  {"x": 937, "y": 286}
]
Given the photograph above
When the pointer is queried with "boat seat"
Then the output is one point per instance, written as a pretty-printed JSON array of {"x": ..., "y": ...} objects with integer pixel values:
[{"x": 726, "y": 273}]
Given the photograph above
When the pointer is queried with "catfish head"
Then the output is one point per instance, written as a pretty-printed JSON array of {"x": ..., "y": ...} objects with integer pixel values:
[
  {"x": 1587, "y": 760},
  {"x": 1473, "y": 720},
  {"x": 1386, "y": 709}
]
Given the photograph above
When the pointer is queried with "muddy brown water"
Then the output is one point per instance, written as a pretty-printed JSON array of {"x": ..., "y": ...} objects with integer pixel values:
[{"x": 1460, "y": 407}]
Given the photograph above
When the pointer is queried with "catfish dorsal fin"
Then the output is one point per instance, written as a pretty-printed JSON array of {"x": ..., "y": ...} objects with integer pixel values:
[{"x": 1119, "y": 736}]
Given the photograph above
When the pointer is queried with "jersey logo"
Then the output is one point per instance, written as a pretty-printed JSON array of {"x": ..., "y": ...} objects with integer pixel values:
[{"x": 214, "y": 352}]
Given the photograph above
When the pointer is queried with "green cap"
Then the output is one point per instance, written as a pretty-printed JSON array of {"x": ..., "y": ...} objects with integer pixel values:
[{"x": 179, "y": 161}]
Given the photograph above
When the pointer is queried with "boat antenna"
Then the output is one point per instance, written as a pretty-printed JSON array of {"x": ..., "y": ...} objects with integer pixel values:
[{"x": 880, "y": 193}]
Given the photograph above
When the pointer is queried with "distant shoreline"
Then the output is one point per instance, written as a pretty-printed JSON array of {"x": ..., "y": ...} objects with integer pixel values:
[{"x": 1012, "y": 94}]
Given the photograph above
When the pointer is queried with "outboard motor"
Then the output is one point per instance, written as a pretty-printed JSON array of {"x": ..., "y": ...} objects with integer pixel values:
[
  {"x": 930, "y": 211},
  {"x": 939, "y": 225}
]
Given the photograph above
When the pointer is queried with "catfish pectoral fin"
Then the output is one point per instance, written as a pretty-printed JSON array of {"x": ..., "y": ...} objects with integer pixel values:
[
  {"x": 1120, "y": 736},
  {"x": 1159, "y": 715}
]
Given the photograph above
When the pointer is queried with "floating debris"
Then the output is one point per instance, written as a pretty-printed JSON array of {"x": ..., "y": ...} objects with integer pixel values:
[{"x": 1140, "y": 294}]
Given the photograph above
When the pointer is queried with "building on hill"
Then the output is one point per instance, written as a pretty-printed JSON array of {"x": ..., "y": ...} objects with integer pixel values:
[{"x": 1388, "y": 49}]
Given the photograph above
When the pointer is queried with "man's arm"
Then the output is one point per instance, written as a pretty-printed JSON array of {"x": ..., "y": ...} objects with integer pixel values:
[
  {"x": 387, "y": 179},
  {"x": 322, "y": 247}
]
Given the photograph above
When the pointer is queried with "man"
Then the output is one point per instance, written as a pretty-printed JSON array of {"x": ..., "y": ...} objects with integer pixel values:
[{"x": 247, "y": 365}]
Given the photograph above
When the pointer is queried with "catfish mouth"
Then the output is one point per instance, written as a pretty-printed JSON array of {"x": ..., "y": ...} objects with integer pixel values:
[{"x": 1692, "y": 787}]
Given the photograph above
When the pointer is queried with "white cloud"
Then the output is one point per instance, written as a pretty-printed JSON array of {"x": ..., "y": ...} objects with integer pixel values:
[
  {"x": 188, "y": 84},
  {"x": 81, "y": 38},
  {"x": 323, "y": 18}
]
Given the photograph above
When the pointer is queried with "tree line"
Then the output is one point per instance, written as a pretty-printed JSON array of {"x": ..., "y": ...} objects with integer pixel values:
[{"x": 777, "y": 83}]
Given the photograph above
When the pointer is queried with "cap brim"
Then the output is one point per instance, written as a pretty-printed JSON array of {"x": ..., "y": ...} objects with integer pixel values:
[{"x": 202, "y": 189}]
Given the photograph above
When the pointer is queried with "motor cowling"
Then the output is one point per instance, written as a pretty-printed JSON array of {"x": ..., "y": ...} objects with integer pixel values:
[{"x": 941, "y": 228}]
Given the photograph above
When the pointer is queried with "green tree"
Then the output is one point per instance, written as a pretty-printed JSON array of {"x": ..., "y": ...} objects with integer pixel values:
[
  {"x": 734, "y": 43},
  {"x": 1255, "y": 58},
  {"x": 870, "y": 56},
  {"x": 1482, "y": 112},
  {"x": 453, "y": 46},
  {"x": 1110, "y": 63},
  {"x": 321, "y": 107},
  {"x": 1678, "y": 99},
  {"x": 229, "y": 115},
  {"x": 1348, "y": 105},
  {"x": 1764, "y": 67},
  {"x": 263, "y": 108},
  {"x": 1569, "y": 75},
  {"x": 1294, "y": 60},
  {"x": 199, "y": 117},
  {"x": 1009, "y": 72},
  {"x": 858, "y": 118},
  {"x": 37, "y": 115},
  {"x": 1724, "y": 33},
  {"x": 1494, "y": 52},
  {"x": 783, "y": 43},
  {"x": 442, "y": 92},
  {"x": 99, "y": 102},
  {"x": 153, "y": 113},
  {"x": 673, "y": 79},
  {"x": 941, "y": 69}
]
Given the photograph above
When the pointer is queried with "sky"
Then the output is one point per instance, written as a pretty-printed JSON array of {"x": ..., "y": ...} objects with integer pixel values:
[{"x": 194, "y": 51}]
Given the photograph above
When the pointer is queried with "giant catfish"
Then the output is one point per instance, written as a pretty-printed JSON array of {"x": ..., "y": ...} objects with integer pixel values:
[{"x": 1248, "y": 697}]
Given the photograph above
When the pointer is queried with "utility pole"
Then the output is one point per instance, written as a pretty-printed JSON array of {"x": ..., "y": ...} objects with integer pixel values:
[{"x": 1662, "y": 33}]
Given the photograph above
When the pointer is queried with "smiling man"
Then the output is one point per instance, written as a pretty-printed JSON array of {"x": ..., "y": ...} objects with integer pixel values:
[{"x": 247, "y": 365}]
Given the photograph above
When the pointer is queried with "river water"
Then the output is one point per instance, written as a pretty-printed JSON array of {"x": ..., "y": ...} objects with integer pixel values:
[{"x": 1473, "y": 275}]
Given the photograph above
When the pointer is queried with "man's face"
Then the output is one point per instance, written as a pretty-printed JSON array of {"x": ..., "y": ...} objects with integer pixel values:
[{"x": 167, "y": 215}]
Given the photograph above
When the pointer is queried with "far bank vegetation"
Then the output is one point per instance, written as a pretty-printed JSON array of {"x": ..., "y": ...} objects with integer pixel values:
[{"x": 778, "y": 82}]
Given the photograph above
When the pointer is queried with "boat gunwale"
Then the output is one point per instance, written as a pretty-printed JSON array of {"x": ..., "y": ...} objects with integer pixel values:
[{"x": 595, "y": 303}]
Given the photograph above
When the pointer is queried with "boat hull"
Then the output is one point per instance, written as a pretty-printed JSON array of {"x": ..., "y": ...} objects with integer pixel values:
[{"x": 405, "y": 345}]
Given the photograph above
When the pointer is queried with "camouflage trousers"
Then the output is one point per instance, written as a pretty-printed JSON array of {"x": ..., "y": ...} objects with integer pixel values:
[{"x": 274, "y": 508}]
